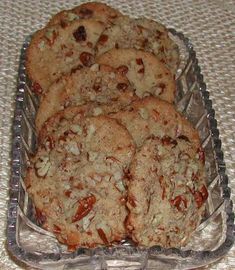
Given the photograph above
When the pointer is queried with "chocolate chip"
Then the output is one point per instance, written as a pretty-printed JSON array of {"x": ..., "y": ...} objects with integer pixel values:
[{"x": 80, "y": 34}]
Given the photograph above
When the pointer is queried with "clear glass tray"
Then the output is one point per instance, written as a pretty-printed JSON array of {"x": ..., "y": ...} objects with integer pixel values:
[{"x": 38, "y": 248}]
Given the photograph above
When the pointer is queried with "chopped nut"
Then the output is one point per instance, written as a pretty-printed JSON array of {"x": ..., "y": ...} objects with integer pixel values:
[
  {"x": 86, "y": 221},
  {"x": 103, "y": 230},
  {"x": 68, "y": 59},
  {"x": 85, "y": 205},
  {"x": 119, "y": 185},
  {"x": 76, "y": 129},
  {"x": 80, "y": 34},
  {"x": 97, "y": 177},
  {"x": 85, "y": 13},
  {"x": 122, "y": 70},
  {"x": 144, "y": 113},
  {"x": 90, "y": 131},
  {"x": 95, "y": 67},
  {"x": 97, "y": 111},
  {"x": 86, "y": 58},
  {"x": 37, "y": 88},
  {"x": 157, "y": 220},
  {"x": 72, "y": 16},
  {"x": 112, "y": 75},
  {"x": 117, "y": 175},
  {"x": 93, "y": 155},
  {"x": 41, "y": 45},
  {"x": 139, "y": 61},
  {"x": 103, "y": 39},
  {"x": 122, "y": 86},
  {"x": 42, "y": 166},
  {"x": 158, "y": 89},
  {"x": 51, "y": 35},
  {"x": 72, "y": 147}
]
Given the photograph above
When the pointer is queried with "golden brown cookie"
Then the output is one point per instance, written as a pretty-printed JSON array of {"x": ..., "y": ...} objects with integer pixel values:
[
  {"x": 55, "y": 51},
  {"x": 92, "y": 10},
  {"x": 147, "y": 74},
  {"x": 76, "y": 182},
  {"x": 166, "y": 192},
  {"x": 141, "y": 34},
  {"x": 152, "y": 116},
  {"x": 98, "y": 83}
]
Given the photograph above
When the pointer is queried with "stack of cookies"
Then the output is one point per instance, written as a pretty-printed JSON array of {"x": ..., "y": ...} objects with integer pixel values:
[{"x": 115, "y": 160}]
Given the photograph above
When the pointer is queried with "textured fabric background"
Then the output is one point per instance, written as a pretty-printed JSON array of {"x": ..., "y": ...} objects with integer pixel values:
[{"x": 209, "y": 24}]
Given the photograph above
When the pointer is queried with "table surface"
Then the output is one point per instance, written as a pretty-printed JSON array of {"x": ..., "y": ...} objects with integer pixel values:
[{"x": 209, "y": 24}]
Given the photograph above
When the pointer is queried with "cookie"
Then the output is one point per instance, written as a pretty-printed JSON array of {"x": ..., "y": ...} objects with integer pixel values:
[
  {"x": 60, "y": 122},
  {"x": 55, "y": 51},
  {"x": 141, "y": 34},
  {"x": 76, "y": 182},
  {"x": 93, "y": 10},
  {"x": 166, "y": 192},
  {"x": 147, "y": 74},
  {"x": 98, "y": 83},
  {"x": 152, "y": 116}
]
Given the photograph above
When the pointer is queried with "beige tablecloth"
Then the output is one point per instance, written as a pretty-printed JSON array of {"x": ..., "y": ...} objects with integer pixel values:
[{"x": 209, "y": 24}]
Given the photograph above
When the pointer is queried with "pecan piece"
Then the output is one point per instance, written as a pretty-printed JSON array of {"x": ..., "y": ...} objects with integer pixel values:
[
  {"x": 162, "y": 184},
  {"x": 141, "y": 70},
  {"x": 73, "y": 70},
  {"x": 139, "y": 61},
  {"x": 49, "y": 143},
  {"x": 102, "y": 235},
  {"x": 40, "y": 216},
  {"x": 185, "y": 138},
  {"x": 56, "y": 229},
  {"x": 80, "y": 34},
  {"x": 200, "y": 196},
  {"x": 201, "y": 155},
  {"x": 179, "y": 202},
  {"x": 84, "y": 207},
  {"x": 42, "y": 166},
  {"x": 97, "y": 87},
  {"x": 131, "y": 201},
  {"x": 51, "y": 36},
  {"x": 122, "y": 86},
  {"x": 122, "y": 70},
  {"x": 86, "y": 58},
  {"x": 67, "y": 193},
  {"x": 37, "y": 88},
  {"x": 167, "y": 141},
  {"x": 103, "y": 39},
  {"x": 85, "y": 13}
]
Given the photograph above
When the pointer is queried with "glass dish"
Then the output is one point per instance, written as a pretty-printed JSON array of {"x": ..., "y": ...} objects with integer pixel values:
[{"x": 38, "y": 248}]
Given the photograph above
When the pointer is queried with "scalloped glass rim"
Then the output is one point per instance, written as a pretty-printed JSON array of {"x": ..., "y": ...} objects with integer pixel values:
[{"x": 177, "y": 258}]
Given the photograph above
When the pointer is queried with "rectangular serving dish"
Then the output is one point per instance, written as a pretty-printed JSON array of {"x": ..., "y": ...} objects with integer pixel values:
[{"x": 38, "y": 248}]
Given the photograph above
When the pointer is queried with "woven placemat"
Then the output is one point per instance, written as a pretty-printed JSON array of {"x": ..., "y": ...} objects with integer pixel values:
[{"x": 209, "y": 24}]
